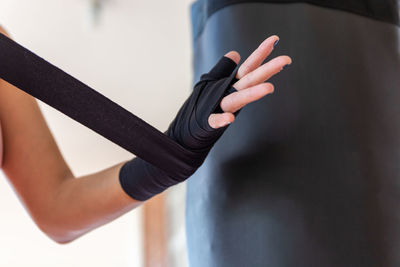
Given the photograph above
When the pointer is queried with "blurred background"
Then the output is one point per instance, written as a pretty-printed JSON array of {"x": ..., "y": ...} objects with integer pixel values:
[{"x": 137, "y": 53}]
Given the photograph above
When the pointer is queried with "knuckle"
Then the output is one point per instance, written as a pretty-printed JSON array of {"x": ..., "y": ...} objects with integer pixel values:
[
  {"x": 229, "y": 102},
  {"x": 249, "y": 94},
  {"x": 247, "y": 80},
  {"x": 225, "y": 103},
  {"x": 243, "y": 70}
]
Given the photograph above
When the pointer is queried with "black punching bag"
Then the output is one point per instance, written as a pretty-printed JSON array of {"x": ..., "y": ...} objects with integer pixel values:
[{"x": 308, "y": 176}]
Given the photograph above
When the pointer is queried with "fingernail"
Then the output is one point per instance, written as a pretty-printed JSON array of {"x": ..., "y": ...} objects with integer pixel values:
[{"x": 276, "y": 42}]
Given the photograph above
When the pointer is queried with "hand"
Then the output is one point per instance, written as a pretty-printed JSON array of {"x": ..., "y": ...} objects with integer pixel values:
[{"x": 251, "y": 85}]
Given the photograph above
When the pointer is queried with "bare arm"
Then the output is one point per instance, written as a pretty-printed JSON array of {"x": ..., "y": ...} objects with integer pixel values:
[
  {"x": 65, "y": 207},
  {"x": 62, "y": 206}
]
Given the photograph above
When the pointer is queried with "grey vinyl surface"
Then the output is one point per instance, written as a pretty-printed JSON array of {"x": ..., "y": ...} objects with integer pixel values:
[{"x": 310, "y": 175}]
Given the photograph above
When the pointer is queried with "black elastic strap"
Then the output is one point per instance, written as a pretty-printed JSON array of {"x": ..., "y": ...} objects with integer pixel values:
[
  {"x": 37, "y": 77},
  {"x": 190, "y": 128},
  {"x": 172, "y": 153}
]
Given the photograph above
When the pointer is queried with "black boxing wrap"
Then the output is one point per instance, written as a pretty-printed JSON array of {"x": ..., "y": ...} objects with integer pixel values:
[
  {"x": 190, "y": 128},
  {"x": 163, "y": 159}
]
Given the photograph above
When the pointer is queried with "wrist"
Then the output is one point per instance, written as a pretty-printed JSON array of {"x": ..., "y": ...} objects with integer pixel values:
[{"x": 141, "y": 180}]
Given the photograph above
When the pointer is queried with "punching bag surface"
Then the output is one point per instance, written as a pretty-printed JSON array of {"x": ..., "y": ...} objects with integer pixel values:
[{"x": 310, "y": 175}]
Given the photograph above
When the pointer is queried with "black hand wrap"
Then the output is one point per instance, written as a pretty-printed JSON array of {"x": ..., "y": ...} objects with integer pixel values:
[
  {"x": 165, "y": 159},
  {"x": 190, "y": 129}
]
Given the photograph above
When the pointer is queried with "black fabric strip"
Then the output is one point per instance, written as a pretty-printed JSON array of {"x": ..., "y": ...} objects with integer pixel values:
[
  {"x": 44, "y": 81},
  {"x": 382, "y": 10},
  {"x": 190, "y": 128}
]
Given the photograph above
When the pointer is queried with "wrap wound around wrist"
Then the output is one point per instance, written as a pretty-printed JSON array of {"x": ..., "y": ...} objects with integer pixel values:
[{"x": 190, "y": 129}]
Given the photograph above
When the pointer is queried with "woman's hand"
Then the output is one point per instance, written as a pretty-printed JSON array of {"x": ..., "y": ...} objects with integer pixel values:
[{"x": 251, "y": 85}]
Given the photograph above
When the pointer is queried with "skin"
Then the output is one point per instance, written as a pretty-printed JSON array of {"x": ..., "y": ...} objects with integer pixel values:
[{"x": 65, "y": 207}]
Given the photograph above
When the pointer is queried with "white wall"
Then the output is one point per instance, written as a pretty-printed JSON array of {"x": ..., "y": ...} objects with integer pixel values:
[{"x": 139, "y": 56}]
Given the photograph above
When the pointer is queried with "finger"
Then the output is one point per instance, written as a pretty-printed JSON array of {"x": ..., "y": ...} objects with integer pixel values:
[
  {"x": 263, "y": 73},
  {"x": 235, "y": 56},
  {"x": 224, "y": 67},
  {"x": 258, "y": 56},
  {"x": 220, "y": 120},
  {"x": 235, "y": 101}
]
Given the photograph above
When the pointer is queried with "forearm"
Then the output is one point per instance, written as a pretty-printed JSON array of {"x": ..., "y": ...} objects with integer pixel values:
[
  {"x": 63, "y": 207},
  {"x": 79, "y": 205}
]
